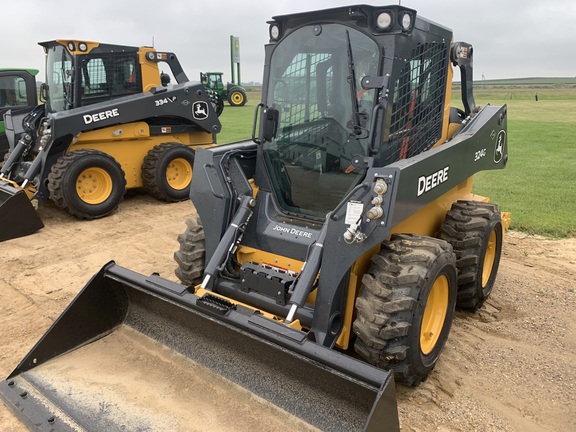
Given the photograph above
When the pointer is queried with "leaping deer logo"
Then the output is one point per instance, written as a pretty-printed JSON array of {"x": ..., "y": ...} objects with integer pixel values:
[
  {"x": 200, "y": 110},
  {"x": 499, "y": 148}
]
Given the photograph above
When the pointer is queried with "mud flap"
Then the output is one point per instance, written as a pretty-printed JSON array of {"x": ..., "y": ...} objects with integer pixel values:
[
  {"x": 139, "y": 353},
  {"x": 18, "y": 217}
]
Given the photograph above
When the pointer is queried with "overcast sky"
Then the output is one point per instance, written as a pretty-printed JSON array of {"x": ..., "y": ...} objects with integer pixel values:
[{"x": 511, "y": 38}]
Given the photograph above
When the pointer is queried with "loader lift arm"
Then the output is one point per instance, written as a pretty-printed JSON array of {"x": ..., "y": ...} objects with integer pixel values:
[{"x": 62, "y": 127}]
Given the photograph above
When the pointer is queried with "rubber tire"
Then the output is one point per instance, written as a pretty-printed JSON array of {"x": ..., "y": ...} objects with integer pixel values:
[
  {"x": 64, "y": 175},
  {"x": 468, "y": 227},
  {"x": 192, "y": 253},
  {"x": 237, "y": 96},
  {"x": 390, "y": 306},
  {"x": 155, "y": 166}
]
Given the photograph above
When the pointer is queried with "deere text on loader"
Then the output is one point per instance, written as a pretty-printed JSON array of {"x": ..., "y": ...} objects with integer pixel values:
[
  {"x": 328, "y": 254},
  {"x": 110, "y": 123}
]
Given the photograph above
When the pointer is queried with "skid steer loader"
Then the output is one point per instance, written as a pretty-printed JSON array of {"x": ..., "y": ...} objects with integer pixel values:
[
  {"x": 110, "y": 123},
  {"x": 327, "y": 256}
]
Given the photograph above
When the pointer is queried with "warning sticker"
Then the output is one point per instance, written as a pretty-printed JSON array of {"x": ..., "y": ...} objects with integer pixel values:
[{"x": 353, "y": 212}]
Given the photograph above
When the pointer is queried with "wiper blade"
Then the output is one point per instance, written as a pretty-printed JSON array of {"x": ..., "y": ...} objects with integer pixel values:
[
  {"x": 67, "y": 87},
  {"x": 353, "y": 91}
]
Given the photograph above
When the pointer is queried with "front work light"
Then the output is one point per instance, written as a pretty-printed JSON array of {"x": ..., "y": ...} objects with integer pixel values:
[
  {"x": 384, "y": 20},
  {"x": 406, "y": 21},
  {"x": 274, "y": 32}
]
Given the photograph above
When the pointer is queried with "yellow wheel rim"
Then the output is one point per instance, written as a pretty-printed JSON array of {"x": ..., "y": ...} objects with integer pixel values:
[
  {"x": 489, "y": 258},
  {"x": 237, "y": 98},
  {"x": 94, "y": 185},
  {"x": 434, "y": 314},
  {"x": 179, "y": 174}
]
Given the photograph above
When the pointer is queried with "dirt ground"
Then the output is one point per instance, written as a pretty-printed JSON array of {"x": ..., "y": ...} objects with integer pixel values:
[{"x": 509, "y": 367}]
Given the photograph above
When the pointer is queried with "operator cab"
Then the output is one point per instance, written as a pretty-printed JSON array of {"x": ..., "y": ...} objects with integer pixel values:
[
  {"x": 323, "y": 115},
  {"x": 85, "y": 73},
  {"x": 338, "y": 100}
]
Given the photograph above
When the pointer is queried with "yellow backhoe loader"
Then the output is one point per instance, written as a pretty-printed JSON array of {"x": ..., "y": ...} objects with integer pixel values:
[{"x": 328, "y": 254}]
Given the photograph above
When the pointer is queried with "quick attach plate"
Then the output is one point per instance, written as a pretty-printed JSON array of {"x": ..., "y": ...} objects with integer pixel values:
[{"x": 269, "y": 281}]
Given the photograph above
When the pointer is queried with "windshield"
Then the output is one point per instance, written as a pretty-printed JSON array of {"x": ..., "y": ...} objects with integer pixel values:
[
  {"x": 59, "y": 79},
  {"x": 13, "y": 91},
  {"x": 324, "y": 115}
]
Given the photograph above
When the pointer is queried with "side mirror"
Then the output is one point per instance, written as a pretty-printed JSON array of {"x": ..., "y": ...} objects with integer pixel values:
[
  {"x": 269, "y": 127},
  {"x": 268, "y": 123},
  {"x": 43, "y": 95}
]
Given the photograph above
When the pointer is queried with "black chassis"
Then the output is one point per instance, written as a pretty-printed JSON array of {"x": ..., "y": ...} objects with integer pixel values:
[
  {"x": 220, "y": 186},
  {"x": 220, "y": 180}
]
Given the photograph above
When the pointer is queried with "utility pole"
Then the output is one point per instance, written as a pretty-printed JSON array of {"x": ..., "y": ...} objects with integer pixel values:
[{"x": 235, "y": 58}]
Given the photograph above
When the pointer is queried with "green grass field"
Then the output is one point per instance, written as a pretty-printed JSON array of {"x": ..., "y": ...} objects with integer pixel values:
[
  {"x": 237, "y": 121},
  {"x": 539, "y": 184}
]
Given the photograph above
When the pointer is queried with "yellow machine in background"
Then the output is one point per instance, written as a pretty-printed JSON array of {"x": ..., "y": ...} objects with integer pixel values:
[{"x": 111, "y": 122}]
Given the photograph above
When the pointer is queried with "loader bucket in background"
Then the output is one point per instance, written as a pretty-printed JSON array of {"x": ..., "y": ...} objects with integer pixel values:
[
  {"x": 18, "y": 217},
  {"x": 141, "y": 353}
]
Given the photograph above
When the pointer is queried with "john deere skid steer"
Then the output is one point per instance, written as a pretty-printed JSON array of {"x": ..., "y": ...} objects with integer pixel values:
[
  {"x": 110, "y": 123},
  {"x": 327, "y": 255}
]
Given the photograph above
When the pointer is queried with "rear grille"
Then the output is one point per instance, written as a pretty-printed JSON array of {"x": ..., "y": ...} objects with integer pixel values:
[{"x": 418, "y": 103}]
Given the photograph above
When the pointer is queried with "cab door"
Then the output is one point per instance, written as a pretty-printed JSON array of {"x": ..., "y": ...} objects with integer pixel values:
[{"x": 17, "y": 91}]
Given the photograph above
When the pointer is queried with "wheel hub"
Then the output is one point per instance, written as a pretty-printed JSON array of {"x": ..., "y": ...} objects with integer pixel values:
[
  {"x": 237, "y": 98},
  {"x": 434, "y": 314},
  {"x": 94, "y": 185},
  {"x": 179, "y": 174},
  {"x": 489, "y": 258}
]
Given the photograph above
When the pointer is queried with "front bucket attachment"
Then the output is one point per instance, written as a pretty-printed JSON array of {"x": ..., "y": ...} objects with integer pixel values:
[
  {"x": 18, "y": 217},
  {"x": 141, "y": 353}
]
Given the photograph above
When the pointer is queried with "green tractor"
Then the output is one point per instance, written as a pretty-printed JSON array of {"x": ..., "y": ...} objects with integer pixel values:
[
  {"x": 233, "y": 93},
  {"x": 17, "y": 91}
]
